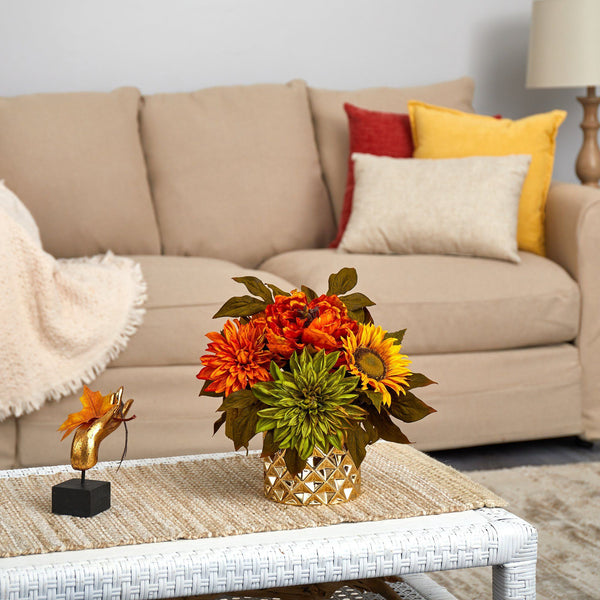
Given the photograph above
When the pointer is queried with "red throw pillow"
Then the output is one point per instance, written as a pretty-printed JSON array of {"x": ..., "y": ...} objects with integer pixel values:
[{"x": 372, "y": 132}]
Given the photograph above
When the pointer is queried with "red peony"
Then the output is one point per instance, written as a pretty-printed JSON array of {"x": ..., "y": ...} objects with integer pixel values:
[{"x": 293, "y": 323}]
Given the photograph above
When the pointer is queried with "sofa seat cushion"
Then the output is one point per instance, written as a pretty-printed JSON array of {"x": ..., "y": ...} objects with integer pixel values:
[
  {"x": 183, "y": 295},
  {"x": 451, "y": 303},
  {"x": 75, "y": 160},
  {"x": 8, "y": 443},
  {"x": 235, "y": 172}
]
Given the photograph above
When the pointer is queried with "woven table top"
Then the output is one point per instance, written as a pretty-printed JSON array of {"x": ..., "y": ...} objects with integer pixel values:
[{"x": 203, "y": 496}]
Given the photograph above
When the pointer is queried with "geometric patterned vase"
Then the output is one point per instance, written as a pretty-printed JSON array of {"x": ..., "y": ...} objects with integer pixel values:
[{"x": 328, "y": 478}]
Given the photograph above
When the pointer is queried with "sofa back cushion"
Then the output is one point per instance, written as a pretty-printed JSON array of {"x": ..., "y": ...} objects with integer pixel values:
[
  {"x": 235, "y": 172},
  {"x": 331, "y": 123},
  {"x": 75, "y": 160}
]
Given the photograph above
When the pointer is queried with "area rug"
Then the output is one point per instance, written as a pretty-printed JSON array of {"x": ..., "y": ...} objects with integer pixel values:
[{"x": 563, "y": 502}]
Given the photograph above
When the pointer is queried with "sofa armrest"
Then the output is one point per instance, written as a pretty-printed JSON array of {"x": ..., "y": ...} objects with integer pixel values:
[
  {"x": 571, "y": 213},
  {"x": 573, "y": 241}
]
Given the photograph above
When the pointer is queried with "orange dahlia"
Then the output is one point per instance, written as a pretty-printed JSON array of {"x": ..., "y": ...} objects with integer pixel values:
[
  {"x": 237, "y": 357},
  {"x": 292, "y": 322},
  {"x": 377, "y": 361}
]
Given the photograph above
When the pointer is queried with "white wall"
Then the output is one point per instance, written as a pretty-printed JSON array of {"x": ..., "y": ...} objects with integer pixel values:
[{"x": 171, "y": 45}]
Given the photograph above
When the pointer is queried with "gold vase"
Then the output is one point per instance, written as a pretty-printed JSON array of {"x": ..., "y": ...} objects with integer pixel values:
[{"x": 327, "y": 478}]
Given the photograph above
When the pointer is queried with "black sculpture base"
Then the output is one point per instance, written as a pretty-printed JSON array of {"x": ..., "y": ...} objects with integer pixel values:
[{"x": 80, "y": 498}]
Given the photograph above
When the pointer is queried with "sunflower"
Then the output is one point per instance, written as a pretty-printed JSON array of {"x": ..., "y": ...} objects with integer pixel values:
[
  {"x": 237, "y": 357},
  {"x": 377, "y": 361}
]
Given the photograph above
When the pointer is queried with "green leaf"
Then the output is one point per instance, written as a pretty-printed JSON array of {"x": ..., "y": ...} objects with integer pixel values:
[
  {"x": 241, "y": 399},
  {"x": 409, "y": 408},
  {"x": 386, "y": 428},
  {"x": 356, "y": 441},
  {"x": 203, "y": 391},
  {"x": 293, "y": 462},
  {"x": 244, "y": 427},
  {"x": 356, "y": 301},
  {"x": 368, "y": 318},
  {"x": 277, "y": 291},
  {"x": 371, "y": 431},
  {"x": 240, "y": 306},
  {"x": 256, "y": 287},
  {"x": 417, "y": 380},
  {"x": 376, "y": 398},
  {"x": 398, "y": 335},
  {"x": 230, "y": 417},
  {"x": 342, "y": 281},
  {"x": 269, "y": 446},
  {"x": 357, "y": 315},
  {"x": 310, "y": 294},
  {"x": 219, "y": 422},
  {"x": 363, "y": 399}
]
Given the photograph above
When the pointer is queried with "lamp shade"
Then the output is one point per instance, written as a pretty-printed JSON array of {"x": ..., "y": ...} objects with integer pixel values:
[{"x": 564, "y": 44}]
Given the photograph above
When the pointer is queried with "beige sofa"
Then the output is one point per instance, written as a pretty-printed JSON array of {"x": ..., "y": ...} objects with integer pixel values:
[{"x": 204, "y": 186}]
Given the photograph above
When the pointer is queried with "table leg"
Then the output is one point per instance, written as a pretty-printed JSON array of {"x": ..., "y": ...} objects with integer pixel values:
[{"x": 514, "y": 581}]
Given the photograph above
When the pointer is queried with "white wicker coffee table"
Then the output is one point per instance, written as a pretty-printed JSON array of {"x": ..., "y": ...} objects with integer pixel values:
[{"x": 337, "y": 553}]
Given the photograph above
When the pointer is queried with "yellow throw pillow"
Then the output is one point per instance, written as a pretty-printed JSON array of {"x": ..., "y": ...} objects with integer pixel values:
[{"x": 440, "y": 132}]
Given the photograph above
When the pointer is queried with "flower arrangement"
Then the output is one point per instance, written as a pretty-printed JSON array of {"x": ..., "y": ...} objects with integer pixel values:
[{"x": 309, "y": 371}]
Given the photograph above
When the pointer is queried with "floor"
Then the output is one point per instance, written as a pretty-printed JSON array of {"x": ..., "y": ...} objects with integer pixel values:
[{"x": 540, "y": 452}]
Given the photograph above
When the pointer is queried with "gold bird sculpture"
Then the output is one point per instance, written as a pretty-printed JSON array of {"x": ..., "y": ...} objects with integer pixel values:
[{"x": 86, "y": 441}]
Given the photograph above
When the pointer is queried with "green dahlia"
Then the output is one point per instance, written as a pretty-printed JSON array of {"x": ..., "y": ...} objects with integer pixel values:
[{"x": 309, "y": 406}]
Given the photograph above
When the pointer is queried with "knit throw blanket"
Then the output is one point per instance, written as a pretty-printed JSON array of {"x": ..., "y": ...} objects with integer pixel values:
[{"x": 61, "y": 321}]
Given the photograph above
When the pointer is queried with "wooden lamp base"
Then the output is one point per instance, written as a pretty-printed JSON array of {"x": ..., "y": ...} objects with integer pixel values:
[{"x": 587, "y": 166}]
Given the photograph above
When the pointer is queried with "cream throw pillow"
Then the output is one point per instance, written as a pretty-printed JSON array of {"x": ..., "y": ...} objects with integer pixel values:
[{"x": 466, "y": 206}]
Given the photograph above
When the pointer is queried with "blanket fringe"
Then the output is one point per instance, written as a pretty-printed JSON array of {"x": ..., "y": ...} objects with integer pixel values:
[{"x": 89, "y": 374}]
